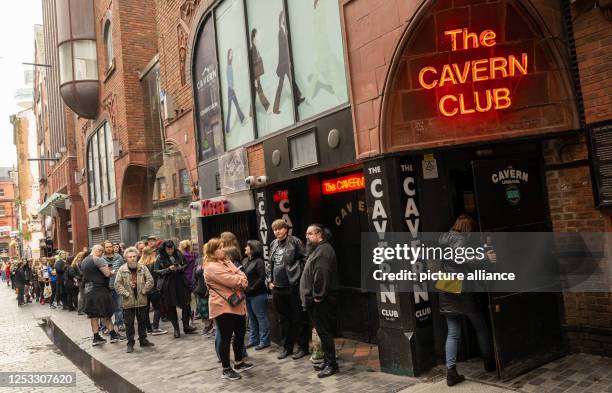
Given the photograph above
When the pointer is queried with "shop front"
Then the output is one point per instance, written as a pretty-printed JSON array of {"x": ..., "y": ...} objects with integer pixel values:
[{"x": 473, "y": 97}]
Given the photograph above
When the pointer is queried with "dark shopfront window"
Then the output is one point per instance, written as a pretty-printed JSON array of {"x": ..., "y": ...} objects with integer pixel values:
[
  {"x": 268, "y": 75},
  {"x": 100, "y": 166}
]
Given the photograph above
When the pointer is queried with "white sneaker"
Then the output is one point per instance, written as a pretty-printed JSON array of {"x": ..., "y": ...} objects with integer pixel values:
[{"x": 158, "y": 332}]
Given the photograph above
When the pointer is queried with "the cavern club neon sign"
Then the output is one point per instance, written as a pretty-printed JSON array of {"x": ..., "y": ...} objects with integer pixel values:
[{"x": 473, "y": 71}]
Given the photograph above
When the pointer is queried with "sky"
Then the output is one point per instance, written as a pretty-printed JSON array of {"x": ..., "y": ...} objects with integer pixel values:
[{"x": 17, "y": 20}]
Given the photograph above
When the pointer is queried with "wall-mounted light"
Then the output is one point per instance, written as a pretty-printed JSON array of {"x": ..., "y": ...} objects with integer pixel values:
[
  {"x": 63, "y": 149},
  {"x": 58, "y": 155}
]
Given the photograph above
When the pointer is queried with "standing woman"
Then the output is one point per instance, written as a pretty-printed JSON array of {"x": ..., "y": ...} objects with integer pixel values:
[
  {"x": 224, "y": 280},
  {"x": 201, "y": 292},
  {"x": 454, "y": 306},
  {"x": 148, "y": 259},
  {"x": 79, "y": 280},
  {"x": 256, "y": 295},
  {"x": 52, "y": 280},
  {"x": 171, "y": 283},
  {"x": 190, "y": 262}
]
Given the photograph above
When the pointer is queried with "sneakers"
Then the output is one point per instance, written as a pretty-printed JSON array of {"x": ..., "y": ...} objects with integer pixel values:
[
  {"x": 130, "y": 348},
  {"x": 283, "y": 353},
  {"x": 98, "y": 340},
  {"x": 260, "y": 347},
  {"x": 230, "y": 374},
  {"x": 115, "y": 337},
  {"x": 121, "y": 328},
  {"x": 189, "y": 330},
  {"x": 158, "y": 331},
  {"x": 177, "y": 333},
  {"x": 300, "y": 354},
  {"x": 240, "y": 367}
]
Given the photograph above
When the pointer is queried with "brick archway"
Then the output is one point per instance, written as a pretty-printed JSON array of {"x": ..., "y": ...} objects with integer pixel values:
[{"x": 542, "y": 99}]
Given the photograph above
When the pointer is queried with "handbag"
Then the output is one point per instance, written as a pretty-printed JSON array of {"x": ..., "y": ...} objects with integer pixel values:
[
  {"x": 234, "y": 299},
  {"x": 47, "y": 292},
  {"x": 454, "y": 286}
]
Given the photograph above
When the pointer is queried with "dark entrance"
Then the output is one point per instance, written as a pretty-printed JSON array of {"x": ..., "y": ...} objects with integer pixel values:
[
  {"x": 345, "y": 214},
  {"x": 525, "y": 326},
  {"x": 242, "y": 224}
]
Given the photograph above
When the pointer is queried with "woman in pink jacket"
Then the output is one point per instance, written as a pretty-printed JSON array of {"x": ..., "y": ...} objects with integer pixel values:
[{"x": 224, "y": 279}]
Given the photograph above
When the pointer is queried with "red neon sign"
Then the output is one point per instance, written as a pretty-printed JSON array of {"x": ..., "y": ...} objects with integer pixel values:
[
  {"x": 473, "y": 71},
  {"x": 343, "y": 184},
  {"x": 212, "y": 208},
  {"x": 280, "y": 195}
]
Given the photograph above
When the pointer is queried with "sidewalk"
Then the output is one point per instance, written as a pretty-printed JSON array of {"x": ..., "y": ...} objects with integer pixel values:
[{"x": 190, "y": 364}]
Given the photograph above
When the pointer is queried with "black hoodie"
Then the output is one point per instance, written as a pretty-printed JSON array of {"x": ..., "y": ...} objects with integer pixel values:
[{"x": 255, "y": 269}]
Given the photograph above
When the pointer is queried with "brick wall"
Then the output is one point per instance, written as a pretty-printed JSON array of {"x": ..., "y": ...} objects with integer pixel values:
[{"x": 588, "y": 315}]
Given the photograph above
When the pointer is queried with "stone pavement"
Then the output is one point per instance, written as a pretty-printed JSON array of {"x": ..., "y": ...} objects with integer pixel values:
[
  {"x": 24, "y": 346},
  {"x": 190, "y": 364}
]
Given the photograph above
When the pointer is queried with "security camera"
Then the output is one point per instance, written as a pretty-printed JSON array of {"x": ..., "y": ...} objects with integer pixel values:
[
  {"x": 194, "y": 205},
  {"x": 249, "y": 180},
  {"x": 261, "y": 180}
]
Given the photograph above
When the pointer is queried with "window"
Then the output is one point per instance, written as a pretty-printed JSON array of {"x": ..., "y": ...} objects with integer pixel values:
[
  {"x": 78, "y": 61},
  {"x": 2, "y": 211},
  {"x": 1, "y": 192},
  {"x": 234, "y": 66},
  {"x": 162, "y": 188},
  {"x": 279, "y": 61},
  {"x": 175, "y": 190},
  {"x": 185, "y": 182},
  {"x": 108, "y": 44},
  {"x": 100, "y": 166}
]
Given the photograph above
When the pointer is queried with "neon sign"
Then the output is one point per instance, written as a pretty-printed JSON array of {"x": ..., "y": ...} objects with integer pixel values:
[
  {"x": 343, "y": 184},
  {"x": 212, "y": 208},
  {"x": 473, "y": 71}
]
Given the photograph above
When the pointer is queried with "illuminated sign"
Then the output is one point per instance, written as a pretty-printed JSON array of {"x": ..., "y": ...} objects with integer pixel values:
[
  {"x": 343, "y": 184},
  {"x": 280, "y": 195},
  {"x": 473, "y": 71},
  {"x": 212, "y": 208}
]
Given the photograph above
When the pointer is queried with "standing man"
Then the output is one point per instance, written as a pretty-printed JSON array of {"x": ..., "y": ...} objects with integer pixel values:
[
  {"x": 286, "y": 264},
  {"x": 133, "y": 281},
  {"x": 318, "y": 287},
  {"x": 98, "y": 302},
  {"x": 152, "y": 242},
  {"x": 114, "y": 262}
]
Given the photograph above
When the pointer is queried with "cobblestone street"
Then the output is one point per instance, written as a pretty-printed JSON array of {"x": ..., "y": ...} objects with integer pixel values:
[{"x": 24, "y": 346}]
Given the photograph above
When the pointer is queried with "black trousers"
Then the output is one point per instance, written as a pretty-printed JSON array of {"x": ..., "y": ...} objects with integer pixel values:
[
  {"x": 322, "y": 319},
  {"x": 128, "y": 318},
  {"x": 72, "y": 297},
  {"x": 293, "y": 320},
  {"x": 185, "y": 316},
  {"x": 20, "y": 294},
  {"x": 228, "y": 325}
]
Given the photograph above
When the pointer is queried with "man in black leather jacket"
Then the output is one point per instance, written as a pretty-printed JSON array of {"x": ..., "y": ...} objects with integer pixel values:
[{"x": 286, "y": 265}]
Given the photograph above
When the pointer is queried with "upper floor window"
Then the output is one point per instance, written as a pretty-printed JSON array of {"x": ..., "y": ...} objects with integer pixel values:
[
  {"x": 108, "y": 44},
  {"x": 279, "y": 62},
  {"x": 2, "y": 211},
  {"x": 1, "y": 192},
  {"x": 78, "y": 61},
  {"x": 100, "y": 166}
]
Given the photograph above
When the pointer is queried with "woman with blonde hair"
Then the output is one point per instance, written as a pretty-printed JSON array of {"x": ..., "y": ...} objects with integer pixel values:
[
  {"x": 148, "y": 259},
  {"x": 227, "y": 306}
]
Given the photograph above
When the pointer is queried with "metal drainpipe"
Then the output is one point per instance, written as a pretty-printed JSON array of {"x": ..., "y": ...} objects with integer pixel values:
[{"x": 574, "y": 71}]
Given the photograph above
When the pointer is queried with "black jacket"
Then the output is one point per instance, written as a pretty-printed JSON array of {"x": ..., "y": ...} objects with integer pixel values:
[
  {"x": 60, "y": 269},
  {"x": 19, "y": 277},
  {"x": 69, "y": 277},
  {"x": 199, "y": 284},
  {"x": 467, "y": 301},
  {"x": 255, "y": 270},
  {"x": 293, "y": 261},
  {"x": 320, "y": 278},
  {"x": 172, "y": 284}
]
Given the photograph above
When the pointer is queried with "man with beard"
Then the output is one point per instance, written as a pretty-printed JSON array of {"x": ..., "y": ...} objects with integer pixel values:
[
  {"x": 318, "y": 287},
  {"x": 98, "y": 302},
  {"x": 132, "y": 283},
  {"x": 286, "y": 263}
]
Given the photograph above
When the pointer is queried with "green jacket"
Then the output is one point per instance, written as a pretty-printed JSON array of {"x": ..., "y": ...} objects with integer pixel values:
[{"x": 144, "y": 283}]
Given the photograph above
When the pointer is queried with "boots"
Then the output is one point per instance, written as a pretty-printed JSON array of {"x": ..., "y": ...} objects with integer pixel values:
[{"x": 453, "y": 377}]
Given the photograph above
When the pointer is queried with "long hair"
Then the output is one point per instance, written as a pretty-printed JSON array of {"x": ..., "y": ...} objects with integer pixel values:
[
  {"x": 77, "y": 259},
  {"x": 256, "y": 248},
  {"x": 230, "y": 240},
  {"x": 166, "y": 244},
  {"x": 148, "y": 256},
  {"x": 464, "y": 223},
  {"x": 210, "y": 248},
  {"x": 233, "y": 254},
  {"x": 185, "y": 246}
]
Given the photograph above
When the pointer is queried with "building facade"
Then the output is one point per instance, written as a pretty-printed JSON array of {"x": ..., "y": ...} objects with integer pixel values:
[
  {"x": 194, "y": 117},
  {"x": 8, "y": 216}
]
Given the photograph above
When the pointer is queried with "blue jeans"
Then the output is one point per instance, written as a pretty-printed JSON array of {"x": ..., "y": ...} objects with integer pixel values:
[
  {"x": 454, "y": 332},
  {"x": 259, "y": 330},
  {"x": 218, "y": 343},
  {"x": 117, "y": 306}
]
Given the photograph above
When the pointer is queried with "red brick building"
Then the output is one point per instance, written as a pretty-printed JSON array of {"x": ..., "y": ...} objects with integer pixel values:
[{"x": 8, "y": 216}]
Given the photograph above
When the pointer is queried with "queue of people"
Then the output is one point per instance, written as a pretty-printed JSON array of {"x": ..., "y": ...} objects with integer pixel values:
[{"x": 118, "y": 288}]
